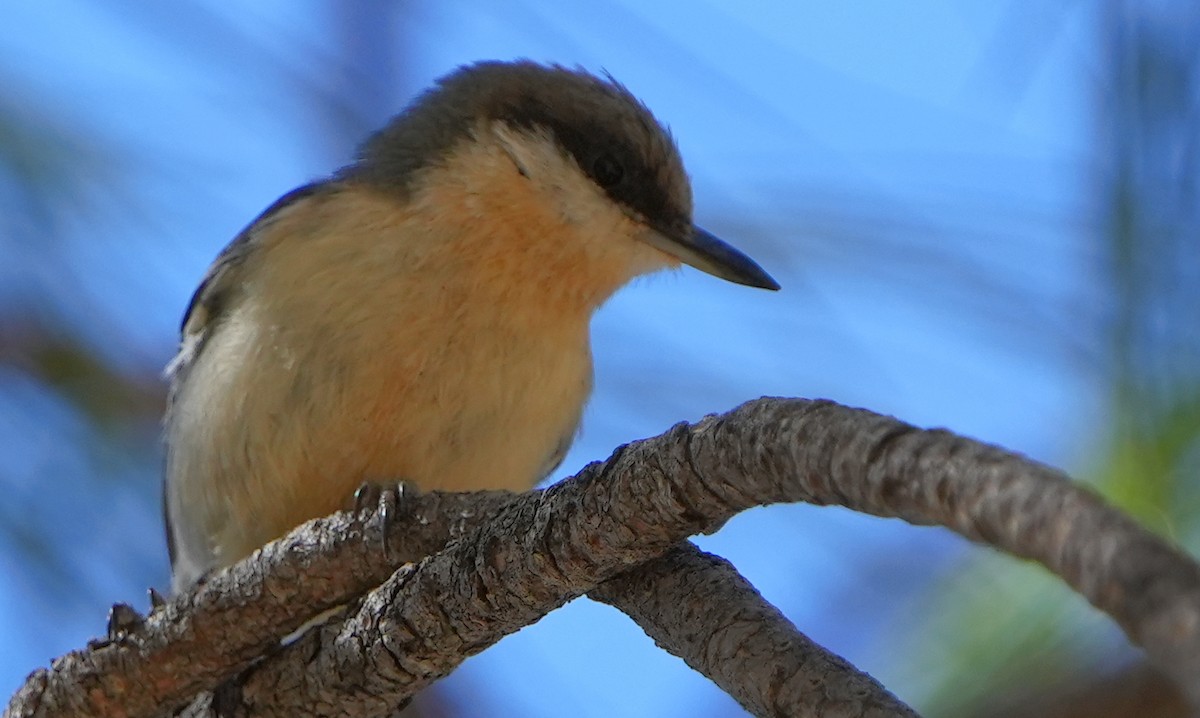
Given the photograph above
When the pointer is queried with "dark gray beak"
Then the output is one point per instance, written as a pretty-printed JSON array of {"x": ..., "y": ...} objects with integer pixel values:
[{"x": 706, "y": 252}]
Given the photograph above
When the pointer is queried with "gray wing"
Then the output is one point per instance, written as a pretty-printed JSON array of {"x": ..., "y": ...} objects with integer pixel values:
[
  {"x": 221, "y": 282},
  {"x": 218, "y": 284}
]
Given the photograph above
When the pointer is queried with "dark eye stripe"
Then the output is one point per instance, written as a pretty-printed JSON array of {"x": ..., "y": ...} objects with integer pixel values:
[
  {"x": 607, "y": 170},
  {"x": 638, "y": 188}
]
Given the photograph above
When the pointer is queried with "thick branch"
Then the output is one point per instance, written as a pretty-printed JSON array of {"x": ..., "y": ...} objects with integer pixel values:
[
  {"x": 697, "y": 607},
  {"x": 543, "y": 549},
  {"x": 235, "y": 616}
]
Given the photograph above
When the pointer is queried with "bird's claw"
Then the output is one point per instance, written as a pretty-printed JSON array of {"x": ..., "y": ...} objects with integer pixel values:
[
  {"x": 123, "y": 620},
  {"x": 388, "y": 500}
]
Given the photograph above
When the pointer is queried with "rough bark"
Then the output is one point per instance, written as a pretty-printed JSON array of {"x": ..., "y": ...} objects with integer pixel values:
[
  {"x": 533, "y": 552},
  {"x": 698, "y": 607}
]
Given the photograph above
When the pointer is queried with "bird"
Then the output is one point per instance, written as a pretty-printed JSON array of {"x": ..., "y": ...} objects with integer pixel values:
[{"x": 423, "y": 313}]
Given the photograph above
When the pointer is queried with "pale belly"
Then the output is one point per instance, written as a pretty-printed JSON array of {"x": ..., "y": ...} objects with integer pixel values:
[{"x": 299, "y": 429}]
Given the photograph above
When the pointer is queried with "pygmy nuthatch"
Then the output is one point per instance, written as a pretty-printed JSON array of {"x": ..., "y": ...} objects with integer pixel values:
[{"x": 423, "y": 313}]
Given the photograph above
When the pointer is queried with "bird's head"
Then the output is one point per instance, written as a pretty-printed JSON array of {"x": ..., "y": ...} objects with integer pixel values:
[{"x": 578, "y": 146}]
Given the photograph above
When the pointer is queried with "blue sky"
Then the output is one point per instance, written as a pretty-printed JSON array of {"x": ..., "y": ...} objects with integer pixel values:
[{"x": 914, "y": 174}]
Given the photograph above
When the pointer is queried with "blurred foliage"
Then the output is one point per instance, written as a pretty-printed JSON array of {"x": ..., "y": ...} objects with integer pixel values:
[
  {"x": 54, "y": 172},
  {"x": 1007, "y": 630}
]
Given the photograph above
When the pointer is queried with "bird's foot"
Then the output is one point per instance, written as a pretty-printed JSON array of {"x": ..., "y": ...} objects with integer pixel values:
[
  {"x": 123, "y": 620},
  {"x": 388, "y": 500}
]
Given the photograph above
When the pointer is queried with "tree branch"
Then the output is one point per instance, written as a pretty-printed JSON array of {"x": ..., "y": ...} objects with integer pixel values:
[
  {"x": 542, "y": 549},
  {"x": 237, "y": 615},
  {"x": 698, "y": 607}
]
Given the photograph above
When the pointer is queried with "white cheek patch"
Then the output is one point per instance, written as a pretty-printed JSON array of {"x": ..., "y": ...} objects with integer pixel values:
[
  {"x": 520, "y": 148},
  {"x": 604, "y": 230},
  {"x": 576, "y": 197}
]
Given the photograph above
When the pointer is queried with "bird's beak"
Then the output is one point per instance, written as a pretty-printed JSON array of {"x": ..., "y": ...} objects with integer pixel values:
[{"x": 706, "y": 252}]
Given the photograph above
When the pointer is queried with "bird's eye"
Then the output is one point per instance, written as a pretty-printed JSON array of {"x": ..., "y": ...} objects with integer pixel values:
[{"x": 607, "y": 171}]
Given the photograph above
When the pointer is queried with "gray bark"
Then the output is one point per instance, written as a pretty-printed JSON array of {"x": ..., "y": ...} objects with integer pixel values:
[{"x": 511, "y": 559}]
